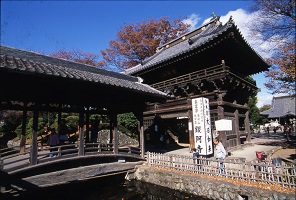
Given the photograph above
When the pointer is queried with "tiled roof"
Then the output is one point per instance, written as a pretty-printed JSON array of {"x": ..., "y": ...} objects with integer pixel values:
[
  {"x": 281, "y": 107},
  {"x": 22, "y": 61},
  {"x": 188, "y": 42}
]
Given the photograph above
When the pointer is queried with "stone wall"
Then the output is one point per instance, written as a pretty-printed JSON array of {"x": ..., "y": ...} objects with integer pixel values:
[
  {"x": 210, "y": 188},
  {"x": 124, "y": 139}
]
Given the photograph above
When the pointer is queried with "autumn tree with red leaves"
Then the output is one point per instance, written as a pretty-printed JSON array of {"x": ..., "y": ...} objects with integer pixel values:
[
  {"x": 276, "y": 22},
  {"x": 282, "y": 74},
  {"x": 138, "y": 41},
  {"x": 79, "y": 56}
]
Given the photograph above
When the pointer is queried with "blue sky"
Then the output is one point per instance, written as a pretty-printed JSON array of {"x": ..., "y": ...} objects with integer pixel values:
[{"x": 48, "y": 26}]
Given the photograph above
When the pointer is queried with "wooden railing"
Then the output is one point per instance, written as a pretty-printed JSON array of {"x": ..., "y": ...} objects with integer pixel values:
[
  {"x": 12, "y": 160},
  {"x": 235, "y": 168},
  {"x": 194, "y": 76},
  {"x": 211, "y": 72}
]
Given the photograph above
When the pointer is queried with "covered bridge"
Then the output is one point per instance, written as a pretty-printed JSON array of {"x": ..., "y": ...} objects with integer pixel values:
[{"x": 35, "y": 82}]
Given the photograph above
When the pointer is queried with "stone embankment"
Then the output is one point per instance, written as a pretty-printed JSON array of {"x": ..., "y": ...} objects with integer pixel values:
[{"x": 210, "y": 187}]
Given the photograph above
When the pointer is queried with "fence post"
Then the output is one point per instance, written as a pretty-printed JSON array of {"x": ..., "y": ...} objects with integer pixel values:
[
  {"x": 1, "y": 164},
  {"x": 99, "y": 147},
  {"x": 60, "y": 151}
]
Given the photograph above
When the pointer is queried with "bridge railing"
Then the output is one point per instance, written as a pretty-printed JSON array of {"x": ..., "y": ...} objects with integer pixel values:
[
  {"x": 10, "y": 159},
  {"x": 236, "y": 168}
]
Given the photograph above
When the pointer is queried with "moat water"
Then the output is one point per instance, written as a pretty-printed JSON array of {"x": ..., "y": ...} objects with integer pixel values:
[{"x": 108, "y": 188}]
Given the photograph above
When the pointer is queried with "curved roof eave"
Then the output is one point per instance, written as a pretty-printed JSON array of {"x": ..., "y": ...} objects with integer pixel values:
[
  {"x": 207, "y": 35},
  {"x": 20, "y": 61}
]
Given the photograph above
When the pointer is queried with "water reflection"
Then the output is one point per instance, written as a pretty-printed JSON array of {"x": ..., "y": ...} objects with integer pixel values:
[{"x": 108, "y": 188}]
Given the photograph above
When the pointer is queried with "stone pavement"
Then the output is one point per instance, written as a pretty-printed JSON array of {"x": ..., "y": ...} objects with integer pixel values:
[{"x": 246, "y": 151}]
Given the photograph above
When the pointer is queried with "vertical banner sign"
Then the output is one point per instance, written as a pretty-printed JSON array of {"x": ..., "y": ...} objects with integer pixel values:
[{"x": 202, "y": 126}]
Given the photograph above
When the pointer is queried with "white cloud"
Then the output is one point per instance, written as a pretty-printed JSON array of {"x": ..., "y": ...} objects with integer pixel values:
[
  {"x": 193, "y": 20},
  {"x": 264, "y": 98},
  {"x": 243, "y": 20}
]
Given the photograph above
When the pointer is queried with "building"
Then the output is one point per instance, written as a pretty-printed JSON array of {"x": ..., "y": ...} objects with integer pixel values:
[
  {"x": 213, "y": 61},
  {"x": 282, "y": 110}
]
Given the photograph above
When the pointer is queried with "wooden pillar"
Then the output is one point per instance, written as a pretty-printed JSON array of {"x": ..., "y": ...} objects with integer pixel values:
[
  {"x": 220, "y": 110},
  {"x": 34, "y": 149},
  {"x": 81, "y": 135},
  {"x": 23, "y": 134},
  {"x": 87, "y": 126},
  {"x": 141, "y": 133},
  {"x": 111, "y": 129},
  {"x": 190, "y": 125},
  {"x": 142, "y": 138},
  {"x": 247, "y": 127},
  {"x": 190, "y": 130},
  {"x": 222, "y": 134},
  {"x": 236, "y": 127},
  {"x": 114, "y": 132}
]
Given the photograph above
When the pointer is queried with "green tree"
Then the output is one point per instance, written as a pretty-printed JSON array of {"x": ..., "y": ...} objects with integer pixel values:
[
  {"x": 29, "y": 128},
  {"x": 129, "y": 121},
  {"x": 265, "y": 107},
  {"x": 72, "y": 123},
  {"x": 11, "y": 120},
  {"x": 138, "y": 41},
  {"x": 254, "y": 112}
]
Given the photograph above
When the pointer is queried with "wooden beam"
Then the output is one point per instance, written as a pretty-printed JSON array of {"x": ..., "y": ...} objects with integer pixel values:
[
  {"x": 139, "y": 116},
  {"x": 34, "y": 150},
  {"x": 23, "y": 134},
  {"x": 115, "y": 132},
  {"x": 236, "y": 126},
  {"x": 81, "y": 135},
  {"x": 87, "y": 125},
  {"x": 247, "y": 127},
  {"x": 190, "y": 130}
]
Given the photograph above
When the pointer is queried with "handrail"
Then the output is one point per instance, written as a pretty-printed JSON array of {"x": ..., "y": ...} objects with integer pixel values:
[
  {"x": 191, "y": 76},
  {"x": 198, "y": 76},
  {"x": 16, "y": 160}
]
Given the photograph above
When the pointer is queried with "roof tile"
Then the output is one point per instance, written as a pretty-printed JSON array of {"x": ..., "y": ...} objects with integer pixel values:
[
  {"x": 30, "y": 62},
  {"x": 281, "y": 107}
]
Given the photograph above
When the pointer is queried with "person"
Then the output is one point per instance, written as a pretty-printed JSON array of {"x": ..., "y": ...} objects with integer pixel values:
[
  {"x": 267, "y": 129},
  {"x": 63, "y": 131},
  {"x": 162, "y": 142},
  {"x": 195, "y": 154},
  {"x": 286, "y": 132},
  {"x": 53, "y": 140},
  {"x": 220, "y": 155},
  {"x": 94, "y": 130}
]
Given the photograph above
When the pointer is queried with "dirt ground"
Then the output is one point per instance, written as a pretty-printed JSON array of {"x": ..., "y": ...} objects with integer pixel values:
[{"x": 287, "y": 151}]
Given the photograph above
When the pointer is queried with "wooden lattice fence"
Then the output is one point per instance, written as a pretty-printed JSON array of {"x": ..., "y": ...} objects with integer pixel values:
[{"x": 235, "y": 168}]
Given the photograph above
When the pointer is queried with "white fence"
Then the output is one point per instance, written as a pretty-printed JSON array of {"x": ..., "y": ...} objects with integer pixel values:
[{"x": 233, "y": 168}]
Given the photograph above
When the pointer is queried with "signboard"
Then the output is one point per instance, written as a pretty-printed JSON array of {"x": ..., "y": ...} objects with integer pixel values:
[
  {"x": 223, "y": 125},
  {"x": 202, "y": 126},
  {"x": 190, "y": 126}
]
